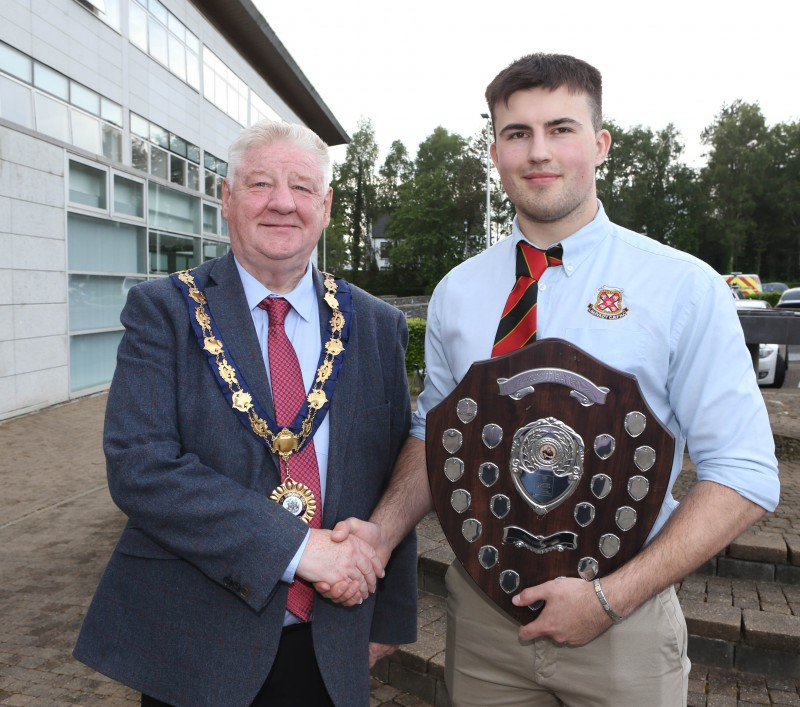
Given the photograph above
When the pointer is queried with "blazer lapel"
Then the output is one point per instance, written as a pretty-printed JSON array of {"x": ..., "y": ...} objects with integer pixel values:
[
  {"x": 341, "y": 413},
  {"x": 228, "y": 306}
]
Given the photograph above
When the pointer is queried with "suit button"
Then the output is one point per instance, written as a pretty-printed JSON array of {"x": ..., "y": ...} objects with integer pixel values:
[
  {"x": 227, "y": 582},
  {"x": 244, "y": 591}
]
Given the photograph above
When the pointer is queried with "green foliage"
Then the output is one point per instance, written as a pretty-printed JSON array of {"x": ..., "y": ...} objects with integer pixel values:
[
  {"x": 771, "y": 297},
  {"x": 415, "y": 354}
]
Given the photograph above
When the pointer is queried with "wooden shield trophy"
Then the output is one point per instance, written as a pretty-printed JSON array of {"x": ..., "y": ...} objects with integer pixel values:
[{"x": 545, "y": 463}]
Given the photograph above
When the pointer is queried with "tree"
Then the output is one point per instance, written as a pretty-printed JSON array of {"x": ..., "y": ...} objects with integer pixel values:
[
  {"x": 396, "y": 170},
  {"x": 735, "y": 178},
  {"x": 438, "y": 211},
  {"x": 354, "y": 197}
]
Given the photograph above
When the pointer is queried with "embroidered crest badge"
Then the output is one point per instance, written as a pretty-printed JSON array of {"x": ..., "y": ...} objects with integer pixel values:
[{"x": 608, "y": 304}]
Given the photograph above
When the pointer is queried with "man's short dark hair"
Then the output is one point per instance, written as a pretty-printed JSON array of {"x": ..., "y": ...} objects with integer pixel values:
[{"x": 549, "y": 71}]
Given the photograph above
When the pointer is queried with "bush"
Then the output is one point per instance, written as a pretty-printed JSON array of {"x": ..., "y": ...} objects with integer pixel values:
[
  {"x": 771, "y": 297},
  {"x": 415, "y": 354}
]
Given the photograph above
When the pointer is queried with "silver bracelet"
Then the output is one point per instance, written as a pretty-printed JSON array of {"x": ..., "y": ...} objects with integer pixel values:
[{"x": 613, "y": 615}]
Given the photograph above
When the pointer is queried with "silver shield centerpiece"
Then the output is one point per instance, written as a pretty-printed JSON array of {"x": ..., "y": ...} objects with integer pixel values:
[{"x": 546, "y": 463}]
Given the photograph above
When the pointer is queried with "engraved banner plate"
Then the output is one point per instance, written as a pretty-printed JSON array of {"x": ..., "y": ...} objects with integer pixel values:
[{"x": 561, "y": 469}]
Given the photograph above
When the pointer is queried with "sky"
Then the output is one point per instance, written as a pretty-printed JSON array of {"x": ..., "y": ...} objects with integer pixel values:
[{"x": 413, "y": 65}]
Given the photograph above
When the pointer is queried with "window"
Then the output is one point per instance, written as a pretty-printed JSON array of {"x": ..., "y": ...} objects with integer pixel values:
[
  {"x": 106, "y": 10},
  {"x": 215, "y": 171},
  {"x": 97, "y": 245},
  {"x": 93, "y": 359},
  {"x": 16, "y": 102},
  {"x": 159, "y": 33},
  {"x": 173, "y": 210},
  {"x": 224, "y": 88},
  {"x": 210, "y": 219},
  {"x": 164, "y": 154},
  {"x": 128, "y": 196},
  {"x": 169, "y": 252},
  {"x": 87, "y": 185}
]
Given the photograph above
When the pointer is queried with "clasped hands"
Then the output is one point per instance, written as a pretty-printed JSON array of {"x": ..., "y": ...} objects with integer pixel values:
[{"x": 344, "y": 564}]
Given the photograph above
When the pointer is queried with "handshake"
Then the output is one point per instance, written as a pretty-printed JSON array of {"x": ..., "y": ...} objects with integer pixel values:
[{"x": 345, "y": 564}]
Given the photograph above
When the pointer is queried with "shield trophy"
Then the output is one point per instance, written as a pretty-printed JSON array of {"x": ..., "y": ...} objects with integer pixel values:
[{"x": 545, "y": 463}]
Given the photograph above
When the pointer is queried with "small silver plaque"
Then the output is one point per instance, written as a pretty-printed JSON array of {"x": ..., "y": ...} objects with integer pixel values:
[
  {"x": 587, "y": 568},
  {"x": 635, "y": 423},
  {"x": 488, "y": 556},
  {"x": 509, "y": 581},
  {"x": 453, "y": 468},
  {"x": 471, "y": 529},
  {"x": 609, "y": 545},
  {"x": 625, "y": 517},
  {"x": 466, "y": 409},
  {"x": 460, "y": 500},
  {"x": 638, "y": 486},
  {"x": 601, "y": 485},
  {"x": 488, "y": 473},
  {"x": 644, "y": 458},
  {"x": 500, "y": 505},
  {"x": 451, "y": 440},
  {"x": 604, "y": 446},
  {"x": 492, "y": 435},
  {"x": 584, "y": 514}
]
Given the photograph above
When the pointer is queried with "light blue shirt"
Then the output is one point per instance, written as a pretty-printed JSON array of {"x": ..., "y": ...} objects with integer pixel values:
[
  {"x": 302, "y": 326},
  {"x": 679, "y": 335}
]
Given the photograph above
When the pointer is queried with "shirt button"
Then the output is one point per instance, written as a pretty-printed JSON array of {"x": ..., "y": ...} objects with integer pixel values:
[
  {"x": 542, "y": 287},
  {"x": 569, "y": 268}
]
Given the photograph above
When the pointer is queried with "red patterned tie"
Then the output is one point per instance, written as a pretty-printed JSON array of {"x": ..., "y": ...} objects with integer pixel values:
[
  {"x": 289, "y": 393},
  {"x": 518, "y": 324}
]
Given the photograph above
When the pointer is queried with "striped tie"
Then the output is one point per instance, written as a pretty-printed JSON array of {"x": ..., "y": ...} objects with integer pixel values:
[{"x": 518, "y": 324}]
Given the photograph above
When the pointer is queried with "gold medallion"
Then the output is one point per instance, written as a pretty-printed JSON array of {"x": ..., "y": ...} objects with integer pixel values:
[
  {"x": 317, "y": 398},
  {"x": 285, "y": 443},
  {"x": 242, "y": 401},
  {"x": 296, "y": 498}
]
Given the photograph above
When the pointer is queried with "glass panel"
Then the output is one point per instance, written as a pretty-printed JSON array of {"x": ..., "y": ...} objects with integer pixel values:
[
  {"x": 99, "y": 245},
  {"x": 192, "y": 176},
  {"x": 16, "y": 63},
  {"x": 210, "y": 219},
  {"x": 87, "y": 185},
  {"x": 15, "y": 102},
  {"x": 159, "y": 136},
  {"x": 93, "y": 358},
  {"x": 173, "y": 210},
  {"x": 209, "y": 161},
  {"x": 139, "y": 126},
  {"x": 192, "y": 42},
  {"x": 110, "y": 111},
  {"x": 213, "y": 249},
  {"x": 225, "y": 232},
  {"x": 177, "y": 58},
  {"x": 176, "y": 26},
  {"x": 95, "y": 301},
  {"x": 211, "y": 188},
  {"x": 137, "y": 26},
  {"x": 222, "y": 168},
  {"x": 85, "y": 98},
  {"x": 158, "y": 10},
  {"x": 85, "y": 131},
  {"x": 52, "y": 117},
  {"x": 158, "y": 42},
  {"x": 218, "y": 187},
  {"x": 177, "y": 170},
  {"x": 193, "y": 70},
  {"x": 112, "y": 142},
  {"x": 128, "y": 197},
  {"x": 159, "y": 162},
  {"x": 139, "y": 152},
  {"x": 169, "y": 253},
  {"x": 51, "y": 81},
  {"x": 177, "y": 145},
  {"x": 193, "y": 152}
]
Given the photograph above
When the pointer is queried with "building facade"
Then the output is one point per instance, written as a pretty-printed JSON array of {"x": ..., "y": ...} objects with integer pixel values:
[{"x": 115, "y": 119}]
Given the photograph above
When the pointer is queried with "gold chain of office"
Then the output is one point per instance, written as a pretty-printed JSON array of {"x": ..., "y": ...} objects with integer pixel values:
[{"x": 285, "y": 441}]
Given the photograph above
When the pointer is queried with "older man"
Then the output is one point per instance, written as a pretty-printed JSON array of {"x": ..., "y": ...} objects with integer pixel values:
[{"x": 255, "y": 403}]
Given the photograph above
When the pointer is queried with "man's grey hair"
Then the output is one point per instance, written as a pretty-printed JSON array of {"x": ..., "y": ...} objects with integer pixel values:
[{"x": 268, "y": 132}]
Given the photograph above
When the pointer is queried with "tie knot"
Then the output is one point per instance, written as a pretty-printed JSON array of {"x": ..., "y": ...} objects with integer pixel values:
[
  {"x": 277, "y": 308},
  {"x": 532, "y": 262}
]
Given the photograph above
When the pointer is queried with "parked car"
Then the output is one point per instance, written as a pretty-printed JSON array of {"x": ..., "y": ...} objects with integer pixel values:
[
  {"x": 790, "y": 299},
  {"x": 774, "y": 287},
  {"x": 773, "y": 359}
]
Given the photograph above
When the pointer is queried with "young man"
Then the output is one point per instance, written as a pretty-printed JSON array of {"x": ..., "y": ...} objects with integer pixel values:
[
  {"x": 216, "y": 454},
  {"x": 674, "y": 327}
]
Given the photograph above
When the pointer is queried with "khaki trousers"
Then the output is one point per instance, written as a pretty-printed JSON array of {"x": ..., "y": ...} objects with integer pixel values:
[{"x": 640, "y": 662}]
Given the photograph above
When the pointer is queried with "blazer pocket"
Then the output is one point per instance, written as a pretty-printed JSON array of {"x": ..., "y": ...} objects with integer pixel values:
[{"x": 134, "y": 542}]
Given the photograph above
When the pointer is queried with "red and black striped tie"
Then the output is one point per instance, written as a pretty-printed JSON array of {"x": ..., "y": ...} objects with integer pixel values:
[{"x": 518, "y": 324}]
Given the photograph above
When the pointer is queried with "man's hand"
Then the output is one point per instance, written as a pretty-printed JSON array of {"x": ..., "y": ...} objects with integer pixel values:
[
  {"x": 343, "y": 592},
  {"x": 572, "y": 614},
  {"x": 378, "y": 651},
  {"x": 351, "y": 564}
]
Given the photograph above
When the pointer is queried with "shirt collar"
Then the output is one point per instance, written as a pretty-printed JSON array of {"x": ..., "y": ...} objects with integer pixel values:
[
  {"x": 578, "y": 246},
  {"x": 303, "y": 297}
]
